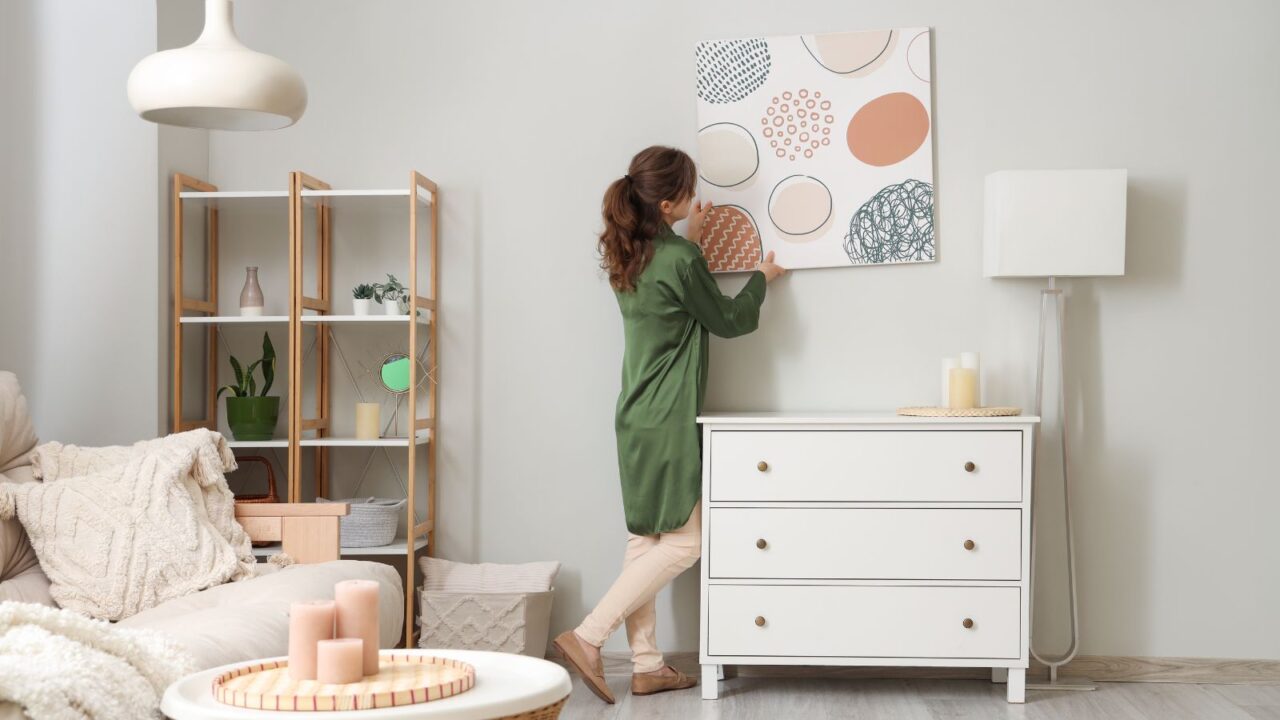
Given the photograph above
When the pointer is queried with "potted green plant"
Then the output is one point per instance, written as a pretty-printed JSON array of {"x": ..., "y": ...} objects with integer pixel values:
[
  {"x": 363, "y": 299},
  {"x": 393, "y": 295},
  {"x": 252, "y": 415}
]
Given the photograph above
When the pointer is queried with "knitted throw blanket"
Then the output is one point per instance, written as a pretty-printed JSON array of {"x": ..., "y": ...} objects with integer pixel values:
[
  {"x": 59, "y": 665},
  {"x": 205, "y": 481}
]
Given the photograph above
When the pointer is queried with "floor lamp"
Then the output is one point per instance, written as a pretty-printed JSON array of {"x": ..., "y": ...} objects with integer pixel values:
[{"x": 1052, "y": 224}]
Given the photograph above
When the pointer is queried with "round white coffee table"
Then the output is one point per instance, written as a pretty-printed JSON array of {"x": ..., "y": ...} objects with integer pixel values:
[{"x": 505, "y": 685}]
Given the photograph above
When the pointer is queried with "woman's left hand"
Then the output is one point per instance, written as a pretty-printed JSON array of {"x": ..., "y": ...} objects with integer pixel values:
[{"x": 697, "y": 216}]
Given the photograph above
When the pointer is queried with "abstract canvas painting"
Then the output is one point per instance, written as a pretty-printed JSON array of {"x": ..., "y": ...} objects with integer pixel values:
[{"x": 818, "y": 148}]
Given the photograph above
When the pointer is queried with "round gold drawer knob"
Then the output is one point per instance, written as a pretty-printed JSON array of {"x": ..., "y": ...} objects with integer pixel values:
[
  {"x": 762, "y": 466},
  {"x": 761, "y": 544},
  {"x": 759, "y": 621},
  {"x": 970, "y": 467},
  {"x": 968, "y": 623},
  {"x": 969, "y": 545}
]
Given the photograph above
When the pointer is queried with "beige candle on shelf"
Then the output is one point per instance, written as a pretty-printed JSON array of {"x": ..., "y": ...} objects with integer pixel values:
[
  {"x": 340, "y": 661},
  {"x": 309, "y": 623},
  {"x": 368, "y": 418},
  {"x": 962, "y": 389},
  {"x": 357, "y": 602}
]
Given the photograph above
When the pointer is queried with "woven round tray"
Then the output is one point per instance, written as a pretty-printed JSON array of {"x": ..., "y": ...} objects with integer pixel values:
[
  {"x": 948, "y": 412},
  {"x": 406, "y": 679}
]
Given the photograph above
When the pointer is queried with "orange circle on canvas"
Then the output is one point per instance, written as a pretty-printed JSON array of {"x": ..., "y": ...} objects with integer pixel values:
[{"x": 888, "y": 130}]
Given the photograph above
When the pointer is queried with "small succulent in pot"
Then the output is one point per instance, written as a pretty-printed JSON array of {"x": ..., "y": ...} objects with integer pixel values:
[
  {"x": 252, "y": 415},
  {"x": 362, "y": 301}
]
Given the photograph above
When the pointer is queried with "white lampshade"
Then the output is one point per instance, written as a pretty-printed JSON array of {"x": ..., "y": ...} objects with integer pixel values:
[
  {"x": 1054, "y": 223},
  {"x": 217, "y": 83}
]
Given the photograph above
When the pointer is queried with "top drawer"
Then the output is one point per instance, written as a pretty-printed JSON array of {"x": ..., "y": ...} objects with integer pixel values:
[{"x": 866, "y": 466}]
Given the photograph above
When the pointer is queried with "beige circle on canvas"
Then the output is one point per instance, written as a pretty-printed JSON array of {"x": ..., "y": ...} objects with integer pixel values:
[
  {"x": 727, "y": 154},
  {"x": 852, "y": 54},
  {"x": 799, "y": 205}
]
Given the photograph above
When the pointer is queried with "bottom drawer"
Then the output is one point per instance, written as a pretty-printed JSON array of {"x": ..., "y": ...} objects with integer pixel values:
[{"x": 864, "y": 621}]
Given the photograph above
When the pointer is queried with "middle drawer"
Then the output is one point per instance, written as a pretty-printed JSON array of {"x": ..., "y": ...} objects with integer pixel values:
[{"x": 865, "y": 544}]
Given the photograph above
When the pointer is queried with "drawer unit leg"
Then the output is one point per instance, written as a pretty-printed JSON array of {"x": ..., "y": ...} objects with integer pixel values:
[
  {"x": 999, "y": 675},
  {"x": 1017, "y": 685},
  {"x": 711, "y": 681},
  {"x": 719, "y": 672}
]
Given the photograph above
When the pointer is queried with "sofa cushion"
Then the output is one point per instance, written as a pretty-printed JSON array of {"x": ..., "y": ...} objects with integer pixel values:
[
  {"x": 123, "y": 540},
  {"x": 21, "y": 578},
  {"x": 249, "y": 619},
  {"x": 17, "y": 433}
]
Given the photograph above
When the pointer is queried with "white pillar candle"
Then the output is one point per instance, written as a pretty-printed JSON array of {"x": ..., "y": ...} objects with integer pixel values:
[
  {"x": 947, "y": 365},
  {"x": 368, "y": 420},
  {"x": 963, "y": 391},
  {"x": 972, "y": 361}
]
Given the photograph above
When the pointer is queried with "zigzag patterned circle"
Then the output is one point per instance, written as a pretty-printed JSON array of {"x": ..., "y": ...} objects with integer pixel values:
[
  {"x": 729, "y": 240},
  {"x": 730, "y": 70}
]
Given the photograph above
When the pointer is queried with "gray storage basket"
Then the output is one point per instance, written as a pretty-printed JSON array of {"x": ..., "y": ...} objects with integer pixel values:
[
  {"x": 502, "y": 622},
  {"x": 371, "y": 522}
]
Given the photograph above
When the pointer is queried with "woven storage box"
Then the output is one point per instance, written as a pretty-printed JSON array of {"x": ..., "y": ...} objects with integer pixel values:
[
  {"x": 371, "y": 522},
  {"x": 502, "y": 622}
]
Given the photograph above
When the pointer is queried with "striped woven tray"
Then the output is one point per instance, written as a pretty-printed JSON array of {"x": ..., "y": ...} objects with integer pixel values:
[{"x": 403, "y": 679}]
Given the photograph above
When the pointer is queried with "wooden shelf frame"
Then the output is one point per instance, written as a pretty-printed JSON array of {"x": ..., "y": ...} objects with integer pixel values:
[
  {"x": 313, "y": 199},
  {"x": 311, "y": 195}
]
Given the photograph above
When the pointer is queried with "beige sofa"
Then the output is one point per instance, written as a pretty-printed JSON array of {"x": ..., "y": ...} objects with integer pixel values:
[{"x": 223, "y": 624}]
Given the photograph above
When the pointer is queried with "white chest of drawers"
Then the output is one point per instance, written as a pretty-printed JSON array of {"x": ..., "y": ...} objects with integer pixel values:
[{"x": 866, "y": 539}]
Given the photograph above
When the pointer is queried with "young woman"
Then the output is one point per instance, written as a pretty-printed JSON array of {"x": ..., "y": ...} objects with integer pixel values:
[{"x": 669, "y": 303}]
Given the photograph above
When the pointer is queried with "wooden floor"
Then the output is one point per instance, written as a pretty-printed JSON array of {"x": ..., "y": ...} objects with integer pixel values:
[{"x": 781, "y": 698}]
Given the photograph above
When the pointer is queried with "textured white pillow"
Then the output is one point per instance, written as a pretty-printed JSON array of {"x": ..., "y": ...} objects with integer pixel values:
[
  {"x": 205, "y": 480},
  {"x": 455, "y": 577},
  {"x": 123, "y": 539}
]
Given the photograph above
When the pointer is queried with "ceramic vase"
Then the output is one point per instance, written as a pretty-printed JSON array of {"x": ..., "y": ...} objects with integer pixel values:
[
  {"x": 391, "y": 307},
  {"x": 362, "y": 306},
  {"x": 251, "y": 296}
]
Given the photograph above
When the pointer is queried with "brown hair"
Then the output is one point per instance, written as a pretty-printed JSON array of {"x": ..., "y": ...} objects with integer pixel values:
[{"x": 631, "y": 215}]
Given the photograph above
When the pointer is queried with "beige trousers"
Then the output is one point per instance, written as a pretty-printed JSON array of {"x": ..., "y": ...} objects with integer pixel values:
[{"x": 651, "y": 561}]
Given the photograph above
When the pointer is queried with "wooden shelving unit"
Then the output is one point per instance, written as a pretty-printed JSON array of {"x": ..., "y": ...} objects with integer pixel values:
[{"x": 311, "y": 205}]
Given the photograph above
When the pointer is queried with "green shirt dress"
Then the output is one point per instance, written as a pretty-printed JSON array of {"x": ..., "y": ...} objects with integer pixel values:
[{"x": 665, "y": 321}]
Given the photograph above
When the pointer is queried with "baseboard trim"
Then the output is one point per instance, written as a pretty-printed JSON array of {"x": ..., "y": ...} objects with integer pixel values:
[{"x": 1101, "y": 668}]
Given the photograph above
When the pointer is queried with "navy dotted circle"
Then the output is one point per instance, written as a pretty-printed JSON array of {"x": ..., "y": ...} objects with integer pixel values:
[
  {"x": 730, "y": 70},
  {"x": 896, "y": 225}
]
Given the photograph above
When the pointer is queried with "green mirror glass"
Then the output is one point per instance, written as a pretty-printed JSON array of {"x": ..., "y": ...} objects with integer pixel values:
[{"x": 395, "y": 373}]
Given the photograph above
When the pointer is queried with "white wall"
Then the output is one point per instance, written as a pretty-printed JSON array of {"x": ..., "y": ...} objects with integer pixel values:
[
  {"x": 525, "y": 111},
  {"x": 78, "y": 209}
]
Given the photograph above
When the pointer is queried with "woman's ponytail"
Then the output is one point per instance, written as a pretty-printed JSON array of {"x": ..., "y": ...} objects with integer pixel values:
[{"x": 632, "y": 218}]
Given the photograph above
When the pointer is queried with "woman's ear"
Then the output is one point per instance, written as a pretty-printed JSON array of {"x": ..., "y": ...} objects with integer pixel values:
[{"x": 665, "y": 207}]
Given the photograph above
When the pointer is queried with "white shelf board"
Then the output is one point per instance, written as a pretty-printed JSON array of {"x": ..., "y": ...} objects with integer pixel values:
[
  {"x": 421, "y": 439},
  {"x": 396, "y": 547},
  {"x": 232, "y": 319},
  {"x": 384, "y": 192},
  {"x": 233, "y": 194},
  {"x": 242, "y": 444},
  {"x": 423, "y": 318}
]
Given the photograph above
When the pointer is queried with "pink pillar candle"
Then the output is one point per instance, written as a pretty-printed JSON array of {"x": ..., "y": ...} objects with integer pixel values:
[
  {"x": 340, "y": 661},
  {"x": 309, "y": 623},
  {"x": 358, "y": 617}
]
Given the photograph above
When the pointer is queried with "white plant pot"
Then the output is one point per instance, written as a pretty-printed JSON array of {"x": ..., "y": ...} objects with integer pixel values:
[
  {"x": 391, "y": 307},
  {"x": 362, "y": 306}
]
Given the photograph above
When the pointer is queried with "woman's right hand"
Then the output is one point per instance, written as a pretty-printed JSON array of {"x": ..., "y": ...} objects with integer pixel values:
[{"x": 771, "y": 269}]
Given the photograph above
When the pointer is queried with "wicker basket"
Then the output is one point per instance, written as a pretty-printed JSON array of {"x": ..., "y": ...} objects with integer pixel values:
[
  {"x": 499, "y": 622},
  {"x": 371, "y": 522}
]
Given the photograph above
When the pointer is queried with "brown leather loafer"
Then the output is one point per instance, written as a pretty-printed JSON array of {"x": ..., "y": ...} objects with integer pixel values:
[
  {"x": 593, "y": 675},
  {"x": 650, "y": 683}
]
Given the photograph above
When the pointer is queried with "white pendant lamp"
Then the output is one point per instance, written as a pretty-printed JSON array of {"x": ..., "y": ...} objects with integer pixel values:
[{"x": 217, "y": 83}]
